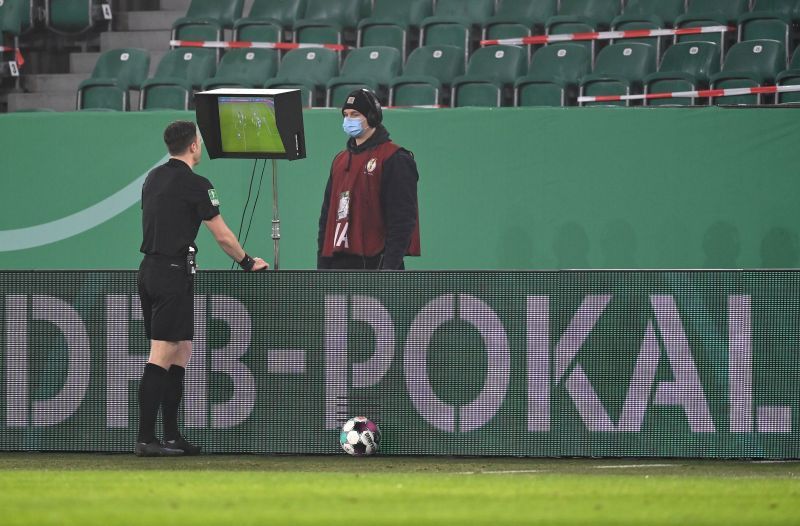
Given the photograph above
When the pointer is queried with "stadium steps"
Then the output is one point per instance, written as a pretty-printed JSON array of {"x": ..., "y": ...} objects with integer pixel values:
[{"x": 148, "y": 30}]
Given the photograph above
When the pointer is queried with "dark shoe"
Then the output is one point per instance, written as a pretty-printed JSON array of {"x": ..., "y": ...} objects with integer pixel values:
[
  {"x": 184, "y": 445},
  {"x": 155, "y": 449}
]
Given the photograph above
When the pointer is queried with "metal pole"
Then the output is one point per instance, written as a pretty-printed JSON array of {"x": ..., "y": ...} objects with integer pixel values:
[{"x": 276, "y": 222}]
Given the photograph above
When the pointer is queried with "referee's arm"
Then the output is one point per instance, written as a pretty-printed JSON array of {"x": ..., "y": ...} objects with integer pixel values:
[{"x": 229, "y": 244}]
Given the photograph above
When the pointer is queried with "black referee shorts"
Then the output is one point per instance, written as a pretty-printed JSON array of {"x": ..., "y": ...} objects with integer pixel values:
[{"x": 167, "y": 296}]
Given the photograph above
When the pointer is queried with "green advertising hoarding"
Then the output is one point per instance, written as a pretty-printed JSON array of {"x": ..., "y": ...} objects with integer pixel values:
[{"x": 577, "y": 363}]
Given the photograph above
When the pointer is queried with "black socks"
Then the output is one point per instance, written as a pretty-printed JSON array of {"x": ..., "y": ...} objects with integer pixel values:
[
  {"x": 171, "y": 402},
  {"x": 151, "y": 391}
]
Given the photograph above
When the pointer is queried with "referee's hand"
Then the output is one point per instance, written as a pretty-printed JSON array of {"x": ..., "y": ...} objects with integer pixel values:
[{"x": 260, "y": 264}]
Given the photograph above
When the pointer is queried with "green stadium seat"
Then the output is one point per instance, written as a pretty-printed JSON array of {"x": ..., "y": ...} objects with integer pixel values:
[
  {"x": 428, "y": 75},
  {"x": 447, "y": 34},
  {"x": 595, "y": 13},
  {"x": 280, "y": 12},
  {"x": 372, "y": 67},
  {"x": 686, "y": 66},
  {"x": 452, "y": 23},
  {"x": 245, "y": 68},
  {"x": 179, "y": 73},
  {"x": 206, "y": 19},
  {"x": 391, "y": 22},
  {"x": 16, "y": 17},
  {"x": 619, "y": 70},
  {"x": 661, "y": 13},
  {"x": 474, "y": 12},
  {"x": 491, "y": 70},
  {"x": 749, "y": 64},
  {"x": 647, "y": 14},
  {"x": 790, "y": 8},
  {"x": 790, "y": 77},
  {"x": 511, "y": 15},
  {"x": 710, "y": 13},
  {"x": 553, "y": 75},
  {"x": 308, "y": 70},
  {"x": 72, "y": 17},
  {"x": 718, "y": 11},
  {"x": 379, "y": 34},
  {"x": 766, "y": 26},
  {"x": 325, "y": 21},
  {"x": 116, "y": 73}
]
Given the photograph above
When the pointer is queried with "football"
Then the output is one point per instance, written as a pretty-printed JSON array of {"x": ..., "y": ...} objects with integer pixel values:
[{"x": 360, "y": 436}]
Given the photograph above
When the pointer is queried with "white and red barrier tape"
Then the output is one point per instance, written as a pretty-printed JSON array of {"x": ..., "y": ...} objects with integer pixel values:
[
  {"x": 605, "y": 35},
  {"x": 17, "y": 54},
  {"x": 233, "y": 44},
  {"x": 730, "y": 92}
]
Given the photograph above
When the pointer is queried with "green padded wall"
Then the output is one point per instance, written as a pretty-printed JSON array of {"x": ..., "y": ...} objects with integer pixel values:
[{"x": 534, "y": 188}]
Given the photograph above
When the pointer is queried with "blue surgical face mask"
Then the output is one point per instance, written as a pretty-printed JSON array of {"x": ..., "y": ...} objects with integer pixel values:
[{"x": 352, "y": 127}]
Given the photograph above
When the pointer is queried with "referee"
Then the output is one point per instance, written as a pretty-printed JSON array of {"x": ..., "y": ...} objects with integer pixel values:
[{"x": 175, "y": 200}]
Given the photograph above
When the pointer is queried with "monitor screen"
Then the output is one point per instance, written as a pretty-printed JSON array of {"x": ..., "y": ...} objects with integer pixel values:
[{"x": 247, "y": 125}]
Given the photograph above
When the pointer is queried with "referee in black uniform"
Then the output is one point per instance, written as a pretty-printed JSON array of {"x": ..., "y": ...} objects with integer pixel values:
[{"x": 175, "y": 200}]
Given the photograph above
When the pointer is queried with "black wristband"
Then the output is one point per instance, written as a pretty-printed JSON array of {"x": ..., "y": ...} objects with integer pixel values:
[{"x": 247, "y": 263}]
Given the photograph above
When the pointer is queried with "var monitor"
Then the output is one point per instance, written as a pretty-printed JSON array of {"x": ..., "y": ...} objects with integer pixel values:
[{"x": 252, "y": 123}]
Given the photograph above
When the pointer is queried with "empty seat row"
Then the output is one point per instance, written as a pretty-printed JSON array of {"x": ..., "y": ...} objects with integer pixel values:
[
  {"x": 498, "y": 75},
  {"x": 69, "y": 17}
]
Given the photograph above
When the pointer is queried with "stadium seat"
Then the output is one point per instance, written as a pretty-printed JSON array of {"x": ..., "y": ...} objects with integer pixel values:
[
  {"x": 16, "y": 17},
  {"x": 453, "y": 21},
  {"x": 553, "y": 75},
  {"x": 116, "y": 72},
  {"x": 661, "y": 13},
  {"x": 474, "y": 12},
  {"x": 749, "y": 64},
  {"x": 790, "y": 77},
  {"x": 647, "y": 14},
  {"x": 596, "y": 13},
  {"x": 179, "y": 73},
  {"x": 619, "y": 70},
  {"x": 206, "y": 19},
  {"x": 790, "y": 8},
  {"x": 391, "y": 22},
  {"x": 373, "y": 67},
  {"x": 72, "y": 17},
  {"x": 716, "y": 11},
  {"x": 307, "y": 70},
  {"x": 766, "y": 26},
  {"x": 686, "y": 66},
  {"x": 267, "y": 20},
  {"x": 280, "y": 12},
  {"x": 325, "y": 21},
  {"x": 514, "y": 15},
  {"x": 447, "y": 34},
  {"x": 246, "y": 68},
  {"x": 491, "y": 69},
  {"x": 428, "y": 75}
]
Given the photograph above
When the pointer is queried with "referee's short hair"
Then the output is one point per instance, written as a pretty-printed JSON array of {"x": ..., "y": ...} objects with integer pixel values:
[{"x": 179, "y": 135}]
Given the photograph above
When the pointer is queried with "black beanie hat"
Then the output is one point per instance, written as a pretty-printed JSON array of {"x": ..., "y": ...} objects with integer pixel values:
[{"x": 366, "y": 103}]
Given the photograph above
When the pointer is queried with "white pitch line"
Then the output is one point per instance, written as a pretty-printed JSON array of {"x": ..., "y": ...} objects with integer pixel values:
[
  {"x": 774, "y": 461},
  {"x": 637, "y": 466},
  {"x": 505, "y": 472}
]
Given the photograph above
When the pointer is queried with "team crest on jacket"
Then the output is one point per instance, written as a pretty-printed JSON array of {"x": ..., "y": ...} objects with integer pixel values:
[{"x": 371, "y": 164}]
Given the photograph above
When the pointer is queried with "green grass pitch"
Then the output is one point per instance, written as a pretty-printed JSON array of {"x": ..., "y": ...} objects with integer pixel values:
[
  {"x": 95, "y": 489},
  {"x": 249, "y": 127}
]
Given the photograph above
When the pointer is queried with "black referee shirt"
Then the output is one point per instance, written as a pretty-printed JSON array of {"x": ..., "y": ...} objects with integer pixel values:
[{"x": 175, "y": 200}]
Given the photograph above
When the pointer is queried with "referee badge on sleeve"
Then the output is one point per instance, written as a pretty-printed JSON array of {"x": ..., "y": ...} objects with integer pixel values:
[{"x": 212, "y": 194}]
